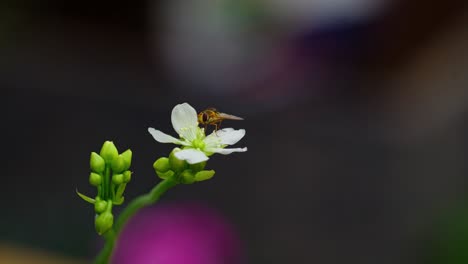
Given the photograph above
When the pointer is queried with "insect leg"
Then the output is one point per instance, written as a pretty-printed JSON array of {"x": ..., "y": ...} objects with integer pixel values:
[{"x": 216, "y": 128}]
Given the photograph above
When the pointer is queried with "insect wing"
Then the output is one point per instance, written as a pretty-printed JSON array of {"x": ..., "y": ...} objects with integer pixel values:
[{"x": 228, "y": 116}]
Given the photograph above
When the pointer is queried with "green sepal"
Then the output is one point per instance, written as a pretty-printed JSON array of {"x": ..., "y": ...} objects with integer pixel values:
[
  {"x": 109, "y": 152},
  {"x": 204, "y": 175},
  {"x": 127, "y": 157},
  {"x": 161, "y": 165},
  {"x": 187, "y": 177},
  {"x": 165, "y": 175},
  {"x": 176, "y": 164},
  {"x": 97, "y": 163},
  {"x": 118, "y": 164},
  {"x": 95, "y": 179},
  {"x": 86, "y": 198},
  {"x": 104, "y": 222}
]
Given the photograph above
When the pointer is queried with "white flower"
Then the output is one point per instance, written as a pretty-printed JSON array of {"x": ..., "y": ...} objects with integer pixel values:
[{"x": 197, "y": 146}]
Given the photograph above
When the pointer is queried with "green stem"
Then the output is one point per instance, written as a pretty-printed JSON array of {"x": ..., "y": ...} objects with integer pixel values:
[
  {"x": 144, "y": 200},
  {"x": 103, "y": 257},
  {"x": 136, "y": 204},
  {"x": 107, "y": 173}
]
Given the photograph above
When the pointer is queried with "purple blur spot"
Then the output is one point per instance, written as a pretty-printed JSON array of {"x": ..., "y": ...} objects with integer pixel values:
[{"x": 178, "y": 234}]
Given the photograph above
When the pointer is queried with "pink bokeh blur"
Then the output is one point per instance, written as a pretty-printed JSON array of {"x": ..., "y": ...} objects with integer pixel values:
[{"x": 187, "y": 233}]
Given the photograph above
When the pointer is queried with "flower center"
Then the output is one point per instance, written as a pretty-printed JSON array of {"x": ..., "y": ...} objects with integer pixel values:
[{"x": 198, "y": 144}]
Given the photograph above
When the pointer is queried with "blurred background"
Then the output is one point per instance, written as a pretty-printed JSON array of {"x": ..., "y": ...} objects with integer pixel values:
[{"x": 356, "y": 114}]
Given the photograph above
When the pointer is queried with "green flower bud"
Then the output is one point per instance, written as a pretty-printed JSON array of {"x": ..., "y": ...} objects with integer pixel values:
[
  {"x": 97, "y": 163},
  {"x": 177, "y": 164},
  {"x": 165, "y": 175},
  {"x": 100, "y": 206},
  {"x": 127, "y": 157},
  {"x": 95, "y": 179},
  {"x": 187, "y": 177},
  {"x": 104, "y": 222},
  {"x": 127, "y": 176},
  {"x": 197, "y": 166},
  {"x": 117, "y": 179},
  {"x": 161, "y": 165},
  {"x": 109, "y": 152},
  {"x": 118, "y": 164},
  {"x": 204, "y": 175}
]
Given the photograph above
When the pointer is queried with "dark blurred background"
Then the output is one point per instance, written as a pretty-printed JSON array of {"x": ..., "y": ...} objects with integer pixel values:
[{"x": 356, "y": 115}]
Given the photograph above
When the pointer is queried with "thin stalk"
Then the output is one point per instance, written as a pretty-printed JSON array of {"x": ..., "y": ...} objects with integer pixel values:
[
  {"x": 106, "y": 252},
  {"x": 133, "y": 207},
  {"x": 143, "y": 201}
]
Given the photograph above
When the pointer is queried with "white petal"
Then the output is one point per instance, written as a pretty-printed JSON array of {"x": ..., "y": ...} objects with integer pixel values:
[
  {"x": 230, "y": 136},
  {"x": 162, "y": 137},
  {"x": 226, "y": 136},
  {"x": 212, "y": 141},
  {"x": 226, "y": 151},
  {"x": 183, "y": 117},
  {"x": 192, "y": 156},
  {"x": 228, "y": 129}
]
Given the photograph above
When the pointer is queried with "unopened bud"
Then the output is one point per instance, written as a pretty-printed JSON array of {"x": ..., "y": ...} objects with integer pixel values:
[
  {"x": 127, "y": 157},
  {"x": 100, "y": 206},
  {"x": 165, "y": 175},
  {"x": 204, "y": 175},
  {"x": 118, "y": 164},
  {"x": 95, "y": 179},
  {"x": 175, "y": 163},
  {"x": 198, "y": 166},
  {"x": 117, "y": 179},
  {"x": 104, "y": 222},
  {"x": 97, "y": 163},
  {"x": 109, "y": 152},
  {"x": 127, "y": 176},
  {"x": 187, "y": 177},
  {"x": 161, "y": 165}
]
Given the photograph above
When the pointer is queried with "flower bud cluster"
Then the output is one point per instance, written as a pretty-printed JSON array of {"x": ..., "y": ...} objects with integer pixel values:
[
  {"x": 180, "y": 170},
  {"x": 110, "y": 175}
]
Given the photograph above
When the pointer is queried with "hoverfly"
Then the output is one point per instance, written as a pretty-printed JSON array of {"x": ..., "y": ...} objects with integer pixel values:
[{"x": 213, "y": 117}]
